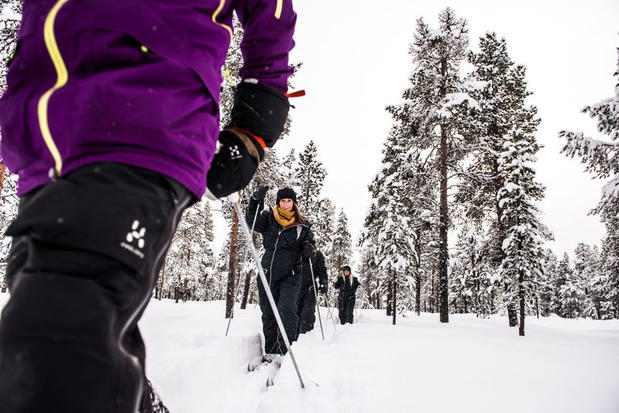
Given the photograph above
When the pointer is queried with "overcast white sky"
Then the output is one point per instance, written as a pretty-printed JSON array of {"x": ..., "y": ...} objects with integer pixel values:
[{"x": 355, "y": 62}]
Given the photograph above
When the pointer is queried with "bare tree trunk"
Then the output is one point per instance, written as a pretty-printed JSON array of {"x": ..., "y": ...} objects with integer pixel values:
[
  {"x": 161, "y": 280},
  {"x": 246, "y": 290},
  {"x": 389, "y": 297},
  {"x": 432, "y": 297},
  {"x": 2, "y": 175},
  {"x": 234, "y": 235},
  {"x": 418, "y": 275},
  {"x": 395, "y": 295},
  {"x": 443, "y": 255},
  {"x": 521, "y": 293},
  {"x": 477, "y": 301},
  {"x": 418, "y": 292},
  {"x": 252, "y": 296}
]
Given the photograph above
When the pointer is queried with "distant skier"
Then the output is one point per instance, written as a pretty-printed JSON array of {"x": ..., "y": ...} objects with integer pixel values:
[
  {"x": 307, "y": 295},
  {"x": 286, "y": 238},
  {"x": 347, "y": 284},
  {"x": 110, "y": 119}
]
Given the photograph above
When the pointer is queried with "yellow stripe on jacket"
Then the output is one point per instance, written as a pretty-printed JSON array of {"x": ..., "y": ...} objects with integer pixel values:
[
  {"x": 278, "y": 9},
  {"x": 63, "y": 77},
  {"x": 222, "y": 3}
]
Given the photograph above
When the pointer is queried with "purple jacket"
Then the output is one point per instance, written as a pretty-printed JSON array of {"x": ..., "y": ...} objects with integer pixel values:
[{"x": 131, "y": 81}]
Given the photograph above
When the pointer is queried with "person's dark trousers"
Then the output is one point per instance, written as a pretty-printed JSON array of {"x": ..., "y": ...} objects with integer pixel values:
[
  {"x": 346, "y": 310},
  {"x": 86, "y": 254},
  {"x": 307, "y": 310},
  {"x": 285, "y": 293}
]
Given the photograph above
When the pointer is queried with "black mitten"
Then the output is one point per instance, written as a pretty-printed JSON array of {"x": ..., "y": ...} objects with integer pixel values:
[
  {"x": 309, "y": 251},
  {"x": 260, "y": 193},
  {"x": 234, "y": 164},
  {"x": 260, "y": 110}
]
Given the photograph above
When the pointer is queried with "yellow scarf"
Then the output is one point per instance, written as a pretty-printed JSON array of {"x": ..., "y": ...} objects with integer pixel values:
[{"x": 285, "y": 218}]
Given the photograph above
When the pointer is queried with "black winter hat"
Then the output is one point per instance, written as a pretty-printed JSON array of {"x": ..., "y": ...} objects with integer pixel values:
[
  {"x": 286, "y": 193},
  {"x": 346, "y": 268}
]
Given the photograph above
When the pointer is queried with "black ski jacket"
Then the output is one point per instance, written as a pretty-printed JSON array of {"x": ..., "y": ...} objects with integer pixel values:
[
  {"x": 346, "y": 289},
  {"x": 282, "y": 247},
  {"x": 320, "y": 271}
]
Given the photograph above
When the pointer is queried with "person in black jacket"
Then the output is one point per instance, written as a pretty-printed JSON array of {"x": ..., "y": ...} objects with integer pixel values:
[
  {"x": 347, "y": 285},
  {"x": 286, "y": 238},
  {"x": 307, "y": 296}
]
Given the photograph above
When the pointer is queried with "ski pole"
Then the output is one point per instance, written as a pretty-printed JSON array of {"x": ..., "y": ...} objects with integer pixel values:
[
  {"x": 316, "y": 296},
  {"x": 267, "y": 290},
  {"x": 330, "y": 313},
  {"x": 236, "y": 289}
]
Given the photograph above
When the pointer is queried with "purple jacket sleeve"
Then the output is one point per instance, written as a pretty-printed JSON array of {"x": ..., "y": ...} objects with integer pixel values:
[{"x": 267, "y": 40}]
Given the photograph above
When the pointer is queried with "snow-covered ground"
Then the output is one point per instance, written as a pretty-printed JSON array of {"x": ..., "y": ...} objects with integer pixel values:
[
  {"x": 420, "y": 365},
  {"x": 468, "y": 365}
]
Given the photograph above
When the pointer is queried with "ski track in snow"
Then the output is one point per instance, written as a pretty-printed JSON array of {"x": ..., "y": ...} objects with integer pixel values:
[{"x": 469, "y": 365}]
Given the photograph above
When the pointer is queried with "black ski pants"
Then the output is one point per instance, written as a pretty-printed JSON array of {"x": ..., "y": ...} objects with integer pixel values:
[
  {"x": 307, "y": 309},
  {"x": 87, "y": 250},
  {"x": 285, "y": 293},
  {"x": 346, "y": 307}
]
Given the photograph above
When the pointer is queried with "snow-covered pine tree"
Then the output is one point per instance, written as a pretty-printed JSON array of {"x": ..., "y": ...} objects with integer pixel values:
[
  {"x": 8, "y": 211},
  {"x": 209, "y": 284},
  {"x": 564, "y": 272},
  {"x": 500, "y": 89},
  {"x": 597, "y": 285},
  {"x": 424, "y": 219},
  {"x": 231, "y": 77},
  {"x": 190, "y": 256},
  {"x": 368, "y": 244},
  {"x": 571, "y": 294},
  {"x": 309, "y": 179},
  {"x": 426, "y": 115},
  {"x": 287, "y": 168},
  {"x": 609, "y": 268},
  {"x": 341, "y": 249},
  {"x": 396, "y": 254},
  {"x": 546, "y": 284},
  {"x": 10, "y": 17},
  {"x": 324, "y": 233},
  {"x": 601, "y": 158},
  {"x": 525, "y": 234},
  {"x": 323, "y": 226},
  {"x": 402, "y": 198},
  {"x": 467, "y": 269},
  {"x": 371, "y": 283}
]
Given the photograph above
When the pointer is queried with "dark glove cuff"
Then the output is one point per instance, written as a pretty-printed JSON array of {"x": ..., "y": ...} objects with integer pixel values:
[
  {"x": 260, "y": 110},
  {"x": 255, "y": 204},
  {"x": 254, "y": 148}
]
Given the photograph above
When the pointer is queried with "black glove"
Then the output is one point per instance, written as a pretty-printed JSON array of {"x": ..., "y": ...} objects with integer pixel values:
[
  {"x": 309, "y": 251},
  {"x": 323, "y": 288},
  {"x": 260, "y": 110},
  {"x": 260, "y": 193},
  {"x": 234, "y": 164}
]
